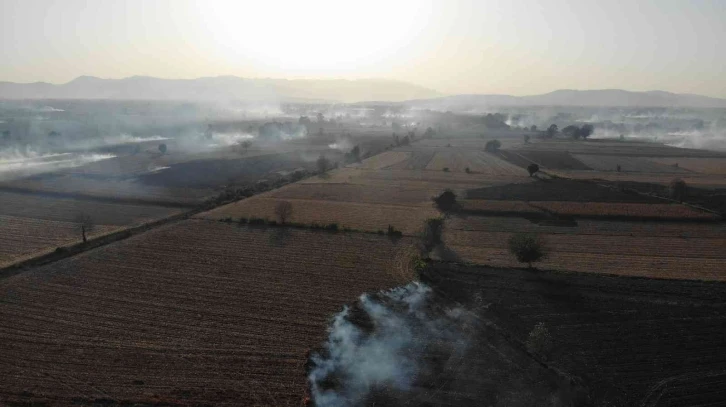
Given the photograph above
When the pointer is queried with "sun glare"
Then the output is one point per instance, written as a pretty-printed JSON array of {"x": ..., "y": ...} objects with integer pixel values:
[{"x": 313, "y": 38}]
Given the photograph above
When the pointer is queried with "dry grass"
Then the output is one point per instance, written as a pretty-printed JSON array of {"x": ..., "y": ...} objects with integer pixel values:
[
  {"x": 482, "y": 205},
  {"x": 360, "y": 216},
  {"x": 707, "y": 180},
  {"x": 713, "y": 166},
  {"x": 383, "y": 160},
  {"x": 636, "y": 210},
  {"x": 627, "y": 164},
  {"x": 477, "y": 161},
  {"x": 647, "y": 256},
  {"x": 26, "y": 237}
]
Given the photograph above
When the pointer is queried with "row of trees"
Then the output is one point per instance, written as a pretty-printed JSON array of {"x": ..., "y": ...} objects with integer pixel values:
[{"x": 576, "y": 132}]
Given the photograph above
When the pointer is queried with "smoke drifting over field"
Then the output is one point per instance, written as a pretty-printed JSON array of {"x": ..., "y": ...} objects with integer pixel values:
[
  {"x": 16, "y": 162},
  {"x": 380, "y": 345}
]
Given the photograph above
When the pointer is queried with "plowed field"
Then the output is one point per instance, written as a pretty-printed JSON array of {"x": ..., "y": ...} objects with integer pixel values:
[
  {"x": 360, "y": 216},
  {"x": 196, "y": 312},
  {"x": 23, "y": 237},
  {"x": 673, "y": 250},
  {"x": 67, "y": 210},
  {"x": 476, "y": 161},
  {"x": 636, "y": 210}
]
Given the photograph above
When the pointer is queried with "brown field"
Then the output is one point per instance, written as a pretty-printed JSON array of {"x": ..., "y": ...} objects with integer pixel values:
[
  {"x": 512, "y": 224},
  {"x": 614, "y": 147},
  {"x": 26, "y": 237},
  {"x": 67, "y": 210},
  {"x": 193, "y": 313},
  {"x": 627, "y": 164},
  {"x": 636, "y": 210},
  {"x": 359, "y": 216},
  {"x": 111, "y": 188},
  {"x": 553, "y": 160},
  {"x": 418, "y": 160},
  {"x": 698, "y": 180},
  {"x": 476, "y": 161},
  {"x": 385, "y": 159},
  {"x": 647, "y": 249},
  {"x": 482, "y": 205},
  {"x": 715, "y": 166}
]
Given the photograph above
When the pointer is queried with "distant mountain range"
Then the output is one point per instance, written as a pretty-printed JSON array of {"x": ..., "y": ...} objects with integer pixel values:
[
  {"x": 585, "y": 98},
  {"x": 219, "y": 88},
  {"x": 222, "y": 88}
]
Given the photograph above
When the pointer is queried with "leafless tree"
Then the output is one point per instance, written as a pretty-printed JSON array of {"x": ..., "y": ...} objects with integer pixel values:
[
  {"x": 85, "y": 224},
  {"x": 283, "y": 210}
]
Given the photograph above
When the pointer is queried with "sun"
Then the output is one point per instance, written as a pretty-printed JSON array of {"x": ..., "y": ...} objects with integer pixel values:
[{"x": 299, "y": 38}]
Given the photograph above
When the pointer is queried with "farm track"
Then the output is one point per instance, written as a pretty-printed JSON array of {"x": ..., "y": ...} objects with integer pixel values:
[{"x": 230, "y": 310}]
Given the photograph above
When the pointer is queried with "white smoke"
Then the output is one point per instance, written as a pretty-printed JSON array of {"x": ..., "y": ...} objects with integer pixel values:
[
  {"x": 388, "y": 355},
  {"x": 129, "y": 139},
  {"x": 712, "y": 139},
  {"x": 228, "y": 139},
  {"x": 23, "y": 162}
]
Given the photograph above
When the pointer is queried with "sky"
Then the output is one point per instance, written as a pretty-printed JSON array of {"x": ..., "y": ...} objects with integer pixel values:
[{"x": 512, "y": 47}]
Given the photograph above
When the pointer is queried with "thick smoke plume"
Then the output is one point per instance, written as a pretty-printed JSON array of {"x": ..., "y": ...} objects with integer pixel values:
[{"x": 379, "y": 347}]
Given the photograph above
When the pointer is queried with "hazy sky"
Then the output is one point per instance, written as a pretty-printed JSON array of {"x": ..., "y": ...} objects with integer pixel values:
[{"x": 476, "y": 46}]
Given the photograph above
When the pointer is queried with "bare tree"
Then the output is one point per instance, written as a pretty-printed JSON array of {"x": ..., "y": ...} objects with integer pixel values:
[
  {"x": 85, "y": 224},
  {"x": 678, "y": 189},
  {"x": 283, "y": 210},
  {"x": 323, "y": 164}
]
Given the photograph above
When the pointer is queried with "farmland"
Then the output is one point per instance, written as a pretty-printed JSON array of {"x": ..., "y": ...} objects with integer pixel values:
[
  {"x": 633, "y": 210},
  {"x": 233, "y": 321},
  {"x": 673, "y": 250},
  {"x": 21, "y": 237},
  {"x": 629, "y": 341},
  {"x": 627, "y": 164},
  {"x": 32, "y": 224},
  {"x": 716, "y": 166},
  {"x": 232, "y": 308},
  {"x": 359, "y": 216}
]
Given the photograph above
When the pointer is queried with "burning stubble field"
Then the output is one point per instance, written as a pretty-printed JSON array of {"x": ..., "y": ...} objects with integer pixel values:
[
  {"x": 192, "y": 313},
  {"x": 630, "y": 342}
]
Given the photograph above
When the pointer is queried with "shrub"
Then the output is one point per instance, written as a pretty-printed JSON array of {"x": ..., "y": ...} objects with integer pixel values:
[
  {"x": 467, "y": 170},
  {"x": 431, "y": 234},
  {"x": 333, "y": 227},
  {"x": 380, "y": 232},
  {"x": 678, "y": 189},
  {"x": 539, "y": 340},
  {"x": 446, "y": 201},
  {"x": 393, "y": 232},
  {"x": 242, "y": 220},
  {"x": 283, "y": 210},
  {"x": 323, "y": 164},
  {"x": 446, "y": 169},
  {"x": 492, "y": 145},
  {"x": 256, "y": 221},
  {"x": 532, "y": 169},
  {"x": 527, "y": 248}
]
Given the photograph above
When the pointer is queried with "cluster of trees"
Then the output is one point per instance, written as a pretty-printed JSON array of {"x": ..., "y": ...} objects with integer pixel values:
[
  {"x": 578, "y": 132},
  {"x": 573, "y": 131},
  {"x": 492, "y": 146},
  {"x": 406, "y": 140}
]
